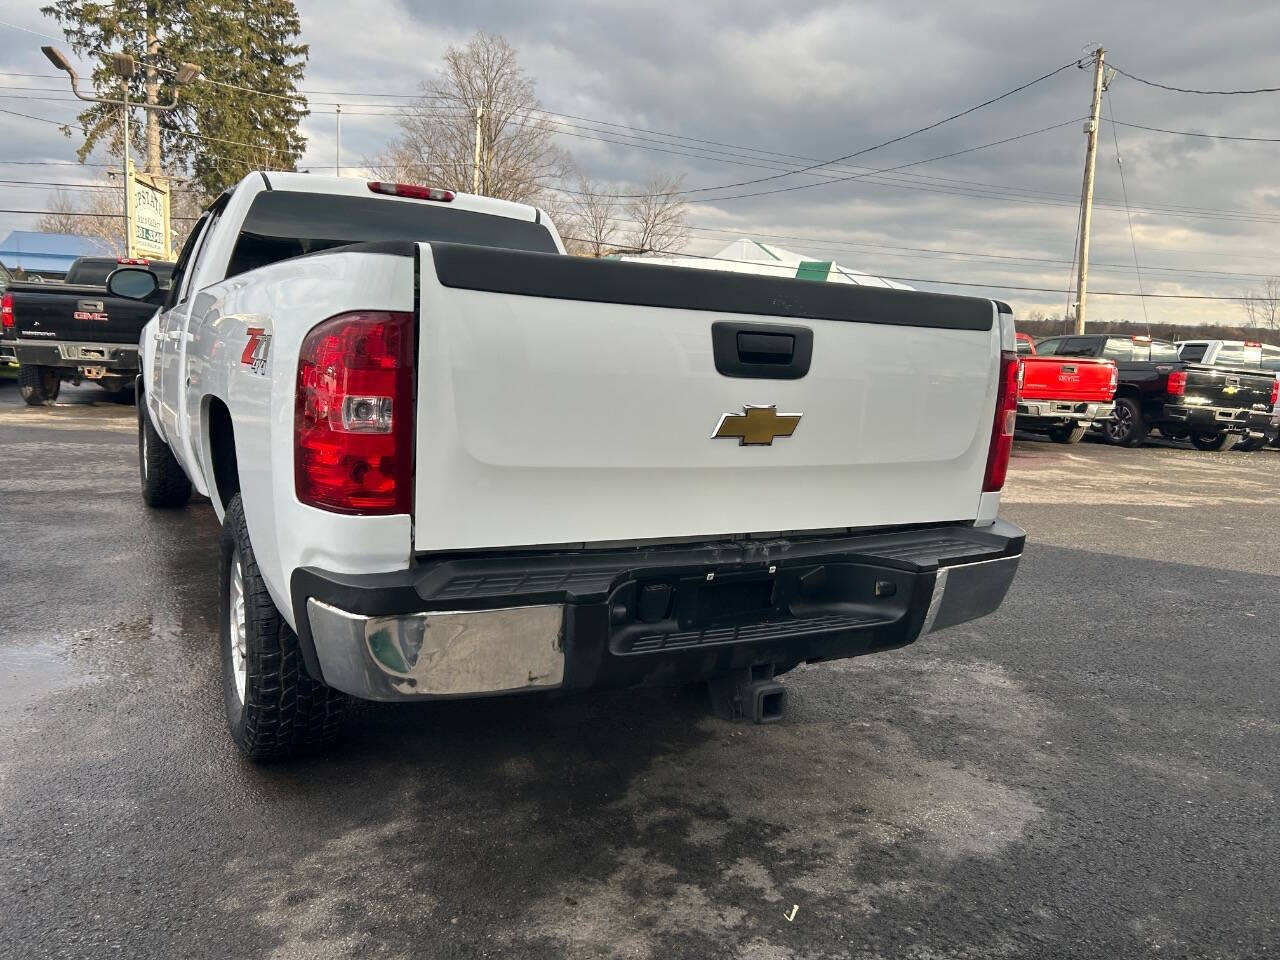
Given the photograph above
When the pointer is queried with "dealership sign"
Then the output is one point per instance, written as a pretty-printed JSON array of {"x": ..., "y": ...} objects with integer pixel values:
[{"x": 149, "y": 230}]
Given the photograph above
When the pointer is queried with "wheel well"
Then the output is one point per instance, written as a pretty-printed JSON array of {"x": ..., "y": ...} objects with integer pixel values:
[
  {"x": 222, "y": 451},
  {"x": 1130, "y": 392}
]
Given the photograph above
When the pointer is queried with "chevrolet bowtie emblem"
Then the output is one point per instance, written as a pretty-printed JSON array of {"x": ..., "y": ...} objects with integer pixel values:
[{"x": 756, "y": 426}]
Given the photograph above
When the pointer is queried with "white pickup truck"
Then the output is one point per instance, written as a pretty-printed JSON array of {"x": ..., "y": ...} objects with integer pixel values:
[{"x": 452, "y": 461}]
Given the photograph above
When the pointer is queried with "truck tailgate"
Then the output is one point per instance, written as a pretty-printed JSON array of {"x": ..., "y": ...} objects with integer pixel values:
[
  {"x": 1078, "y": 378},
  {"x": 563, "y": 400},
  {"x": 66, "y": 312},
  {"x": 1212, "y": 386}
]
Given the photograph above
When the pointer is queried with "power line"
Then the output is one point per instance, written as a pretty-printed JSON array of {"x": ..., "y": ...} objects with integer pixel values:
[
  {"x": 1212, "y": 93},
  {"x": 890, "y": 142},
  {"x": 1191, "y": 133},
  {"x": 901, "y": 166},
  {"x": 27, "y": 116},
  {"x": 1129, "y": 216}
]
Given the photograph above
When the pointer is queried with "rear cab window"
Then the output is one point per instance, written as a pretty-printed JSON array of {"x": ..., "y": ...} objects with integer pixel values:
[
  {"x": 1193, "y": 352},
  {"x": 282, "y": 224}
]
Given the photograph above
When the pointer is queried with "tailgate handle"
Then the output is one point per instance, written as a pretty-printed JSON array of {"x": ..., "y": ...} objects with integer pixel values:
[
  {"x": 762, "y": 351},
  {"x": 766, "y": 347}
]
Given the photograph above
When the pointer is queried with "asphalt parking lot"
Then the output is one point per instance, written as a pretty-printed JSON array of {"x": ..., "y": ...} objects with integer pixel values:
[{"x": 1091, "y": 772}]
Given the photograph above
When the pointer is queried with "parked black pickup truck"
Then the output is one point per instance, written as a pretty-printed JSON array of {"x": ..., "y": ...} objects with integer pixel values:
[
  {"x": 75, "y": 330},
  {"x": 1210, "y": 406}
]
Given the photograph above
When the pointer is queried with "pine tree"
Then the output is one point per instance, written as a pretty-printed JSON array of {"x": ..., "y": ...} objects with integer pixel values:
[{"x": 243, "y": 113}]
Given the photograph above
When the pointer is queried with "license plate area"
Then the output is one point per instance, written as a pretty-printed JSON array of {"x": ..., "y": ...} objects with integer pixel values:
[{"x": 662, "y": 613}]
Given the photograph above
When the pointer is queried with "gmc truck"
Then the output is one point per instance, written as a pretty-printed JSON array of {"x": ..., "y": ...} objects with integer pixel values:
[
  {"x": 1063, "y": 398},
  {"x": 76, "y": 331},
  {"x": 451, "y": 461},
  {"x": 1210, "y": 406}
]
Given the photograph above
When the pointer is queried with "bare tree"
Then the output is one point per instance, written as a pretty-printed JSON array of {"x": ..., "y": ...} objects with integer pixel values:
[
  {"x": 1263, "y": 307},
  {"x": 593, "y": 219},
  {"x": 96, "y": 214},
  {"x": 657, "y": 216},
  {"x": 483, "y": 90}
]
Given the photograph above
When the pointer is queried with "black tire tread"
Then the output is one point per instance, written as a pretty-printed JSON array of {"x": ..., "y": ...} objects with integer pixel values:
[
  {"x": 35, "y": 386},
  {"x": 164, "y": 485},
  {"x": 287, "y": 712},
  {"x": 1068, "y": 434},
  {"x": 1215, "y": 443}
]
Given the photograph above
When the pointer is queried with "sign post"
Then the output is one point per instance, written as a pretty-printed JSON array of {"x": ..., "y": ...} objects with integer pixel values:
[{"x": 150, "y": 234}]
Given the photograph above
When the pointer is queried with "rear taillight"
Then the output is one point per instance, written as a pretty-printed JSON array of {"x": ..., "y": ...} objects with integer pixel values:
[
  {"x": 6, "y": 311},
  {"x": 353, "y": 420},
  {"x": 1275, "y": 391},
  {"x": 133, "y": 261},
  {"x": 1002, "y": 427},
  {"x": 411, "y": 190},
  {"x": 1115, "y": 379},
  {"x": 1177, "y": 383}
]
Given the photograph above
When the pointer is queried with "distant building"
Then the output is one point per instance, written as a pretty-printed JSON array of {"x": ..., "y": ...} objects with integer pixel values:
[
  {"x": 751, "y": 256},
  {"x": 29, "y": 255}
]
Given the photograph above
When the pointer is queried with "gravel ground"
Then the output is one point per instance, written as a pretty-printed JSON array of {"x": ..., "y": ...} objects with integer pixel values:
[{"x": 1091, "y": 772}]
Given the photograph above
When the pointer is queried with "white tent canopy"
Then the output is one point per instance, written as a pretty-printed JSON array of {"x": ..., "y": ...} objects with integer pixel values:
[{"x": 751, "y": 256}]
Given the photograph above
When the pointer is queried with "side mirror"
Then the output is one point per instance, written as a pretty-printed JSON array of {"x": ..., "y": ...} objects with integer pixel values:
[{"x": 132, "y": 283}]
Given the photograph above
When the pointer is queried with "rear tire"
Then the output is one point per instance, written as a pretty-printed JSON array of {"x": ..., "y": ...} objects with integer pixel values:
[
  {"x": 1250, "y": 444},
  {"x": 38, "y": 385},
  {"x": 1072, "y": 433},
  {"x": 164, "y": 485},
  {"x": 1213, "y": 442},
  {"x": 275, "y": 709},
  {"x": 1127, "y": 428}
]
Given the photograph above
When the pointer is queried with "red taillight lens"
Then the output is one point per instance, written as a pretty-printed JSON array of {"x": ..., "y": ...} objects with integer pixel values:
[
  {"x": 353, "y": 420},
  {"x": 411, "y": 190},
  {"x": 1177, "y": 383},
  {"x": 6, "y": 311},
  {"x": 134, "y": 261},
  {"x": 1275, "y": 392},
  {"x": 1115, "y": 379},
  {"x": 1002, "y": 428}
]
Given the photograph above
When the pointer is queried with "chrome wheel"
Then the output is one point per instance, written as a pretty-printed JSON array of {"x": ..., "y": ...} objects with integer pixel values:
[
  {"x": 236, "y": 625},
  {"x": 1121, "y": 424}
]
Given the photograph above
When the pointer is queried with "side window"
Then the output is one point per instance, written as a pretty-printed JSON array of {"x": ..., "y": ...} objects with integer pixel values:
[
  {"x": 184, "y": 261},
  {"x": 1118, "y": 348},
  {"x": 1047, "y": 348},
  {"x": 1230, "y": 355},
  {"x": 1271, "y": 359},
  {"x": 1193, "y": 352},
  {"x": 1077, "y": 347}
]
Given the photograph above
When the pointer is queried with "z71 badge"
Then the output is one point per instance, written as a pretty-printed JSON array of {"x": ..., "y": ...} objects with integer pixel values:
[{"x": 256, "y": 350}]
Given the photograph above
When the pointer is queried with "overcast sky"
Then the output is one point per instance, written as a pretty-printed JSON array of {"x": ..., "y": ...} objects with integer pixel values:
[{"x": 821, "y": 80}]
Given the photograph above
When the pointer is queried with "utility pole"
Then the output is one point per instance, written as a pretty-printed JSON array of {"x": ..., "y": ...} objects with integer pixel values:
[
  {"x": 337, "y": 152},
  {"x": 1086, "y": 193},
  {"x": 475, "y": 164},
  {"x": 151, "y": 86},
  {"x": 125, "y": 177}
]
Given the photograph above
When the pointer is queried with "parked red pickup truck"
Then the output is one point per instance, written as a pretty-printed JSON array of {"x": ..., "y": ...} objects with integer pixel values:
[{"x": 1063, "y": 396}]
